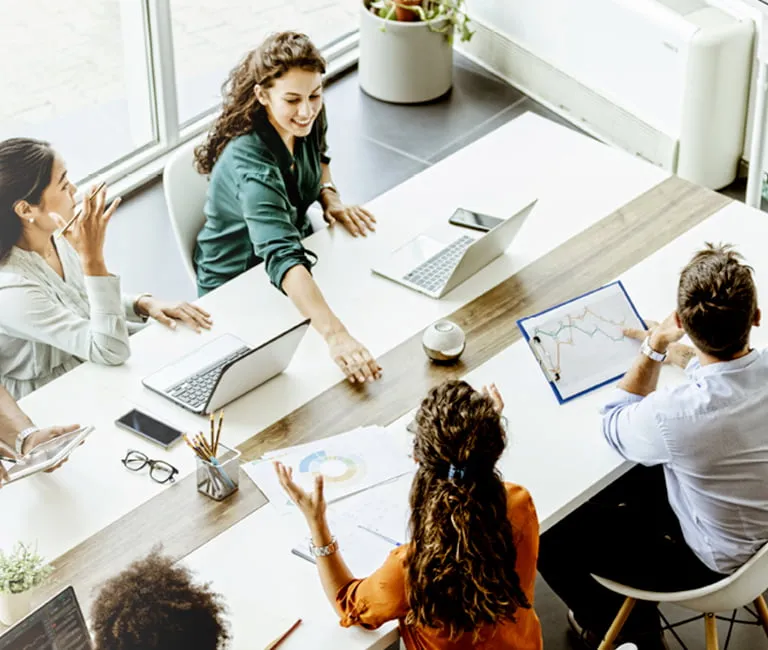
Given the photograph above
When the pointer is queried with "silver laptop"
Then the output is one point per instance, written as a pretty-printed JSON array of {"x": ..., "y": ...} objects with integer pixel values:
[
  {"x": 442, "y": 257},
  {"x": 224, "y": 369},
  {"x": 55, "y": 625}
]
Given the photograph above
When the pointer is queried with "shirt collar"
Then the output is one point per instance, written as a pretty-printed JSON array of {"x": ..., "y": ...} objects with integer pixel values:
[
  {"x": 695, "y": 370},
  {"x": 271, "y": 138}
]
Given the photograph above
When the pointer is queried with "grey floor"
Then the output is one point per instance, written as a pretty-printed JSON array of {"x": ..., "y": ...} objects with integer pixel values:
[{"x": 375, "y": 146}]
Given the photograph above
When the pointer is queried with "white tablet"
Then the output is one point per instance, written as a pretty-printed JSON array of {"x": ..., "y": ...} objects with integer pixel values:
[{"x": 47, "y": 455}]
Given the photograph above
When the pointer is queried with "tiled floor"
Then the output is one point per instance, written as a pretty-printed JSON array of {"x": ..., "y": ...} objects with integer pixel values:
[{"x": 375, "y": 146}]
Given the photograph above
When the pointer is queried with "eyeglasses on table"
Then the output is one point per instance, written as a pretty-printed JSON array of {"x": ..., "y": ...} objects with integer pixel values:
[{"x": 159, "y": 470}]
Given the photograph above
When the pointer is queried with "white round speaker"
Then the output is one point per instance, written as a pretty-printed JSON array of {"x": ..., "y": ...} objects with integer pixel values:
[{"x": 443, "y": 341}]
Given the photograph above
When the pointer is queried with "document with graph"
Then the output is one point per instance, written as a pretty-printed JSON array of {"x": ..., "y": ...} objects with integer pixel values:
[{"x": 580, "y": 344}]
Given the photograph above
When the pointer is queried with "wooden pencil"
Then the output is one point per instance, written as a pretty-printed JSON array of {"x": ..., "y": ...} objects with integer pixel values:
[
  {"x": 101, "y": 186},
  {"x": 218, "y": 433}
]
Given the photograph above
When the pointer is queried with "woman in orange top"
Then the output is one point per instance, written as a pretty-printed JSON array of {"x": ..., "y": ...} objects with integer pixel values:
[{"x": 467, "y": 577}]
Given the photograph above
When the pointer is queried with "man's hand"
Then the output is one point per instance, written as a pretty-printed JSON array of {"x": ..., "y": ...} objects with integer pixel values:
[{"x": 664, "y": 337}]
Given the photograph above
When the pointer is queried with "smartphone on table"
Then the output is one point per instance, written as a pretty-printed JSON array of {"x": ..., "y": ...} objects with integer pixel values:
[
  {"x": 474, "y": 220},
  {"x": 150, "y": 428}
]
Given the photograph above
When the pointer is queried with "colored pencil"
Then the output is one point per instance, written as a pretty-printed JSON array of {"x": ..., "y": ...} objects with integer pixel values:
[{"x": 284, "y": 636}]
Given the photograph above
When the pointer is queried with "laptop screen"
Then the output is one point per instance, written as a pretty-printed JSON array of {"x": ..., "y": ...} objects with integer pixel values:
[{"x": 57, "y": 625}]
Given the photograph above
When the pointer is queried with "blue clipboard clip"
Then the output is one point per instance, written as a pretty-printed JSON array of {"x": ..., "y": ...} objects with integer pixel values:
[{"x": 544, "y": 359}]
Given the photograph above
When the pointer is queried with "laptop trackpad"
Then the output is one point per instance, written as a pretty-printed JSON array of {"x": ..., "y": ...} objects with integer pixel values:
[{"x": 415, "y": 252}]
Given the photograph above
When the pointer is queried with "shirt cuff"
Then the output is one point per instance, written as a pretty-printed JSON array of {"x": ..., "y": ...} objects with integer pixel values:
[
  {"x": 104, "y": 294},
  {"x": 620, "y": 397}
]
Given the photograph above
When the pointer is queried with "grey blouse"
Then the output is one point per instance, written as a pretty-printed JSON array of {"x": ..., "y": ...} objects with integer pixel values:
[{"x": 49, "y": 325}]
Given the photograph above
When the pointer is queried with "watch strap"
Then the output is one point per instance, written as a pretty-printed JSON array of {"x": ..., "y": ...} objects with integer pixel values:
[
  {"x": 22, "y": 438},
  {"x": 329, "y": 186},
  {"x": 324, "y": 551},
  {"x": 649, "y": 352}
]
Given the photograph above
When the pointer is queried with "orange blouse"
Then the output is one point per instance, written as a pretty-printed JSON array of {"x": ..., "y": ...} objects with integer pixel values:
[{"x": 381, "y": 597}]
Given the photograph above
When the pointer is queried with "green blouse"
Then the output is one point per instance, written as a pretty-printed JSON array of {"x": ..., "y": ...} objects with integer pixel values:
[{"x": 256, "y": 206}]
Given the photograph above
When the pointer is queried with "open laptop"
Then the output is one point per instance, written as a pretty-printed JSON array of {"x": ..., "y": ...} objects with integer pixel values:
[
  {"x": 224, "y": 369},
  {"x": 442, "y": 257},
  {"x": 56, "y": 625}
]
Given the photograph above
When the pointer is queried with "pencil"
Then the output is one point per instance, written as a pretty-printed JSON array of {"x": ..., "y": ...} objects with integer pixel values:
[
  {"x": 213, "y": 434},
  {"x": 282, "y": 638},
  {"x": 218, "y": 433},
  {"x": 101, "y": 186}
]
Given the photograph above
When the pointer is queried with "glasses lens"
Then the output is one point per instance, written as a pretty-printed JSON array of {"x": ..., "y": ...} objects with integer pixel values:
[
  {"x": 135, "y": 460},
  {"x": 162, "y": 472}
]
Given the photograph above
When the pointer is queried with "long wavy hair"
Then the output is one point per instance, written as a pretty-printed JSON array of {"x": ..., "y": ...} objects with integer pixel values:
[
  {"x": 461, "y": 566},
  {"x": 278, "y": 54}
]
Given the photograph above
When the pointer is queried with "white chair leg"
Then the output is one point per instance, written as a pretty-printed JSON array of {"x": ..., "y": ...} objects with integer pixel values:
[
  {"x": 762, "y": 612},
  {"x": 618, "y": 623},
  {"x": 710, "y": 627}
]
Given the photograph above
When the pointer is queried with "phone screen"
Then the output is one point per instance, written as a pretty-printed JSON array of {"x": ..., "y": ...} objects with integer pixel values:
[
  {"x": 147, "y": 426},
  {"x": 474, "y": 220}
]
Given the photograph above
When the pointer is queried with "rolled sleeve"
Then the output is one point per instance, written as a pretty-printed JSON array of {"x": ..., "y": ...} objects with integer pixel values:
[
  {"x": 370, "y": 602},
  {"x": 270, "y": 219},
  {"x": 631, "y": 426},
  {"x": 29, "y": 313}
]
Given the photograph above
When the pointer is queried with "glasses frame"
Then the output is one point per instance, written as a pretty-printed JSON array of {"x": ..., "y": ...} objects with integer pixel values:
[{"x": 152, "y": 464}]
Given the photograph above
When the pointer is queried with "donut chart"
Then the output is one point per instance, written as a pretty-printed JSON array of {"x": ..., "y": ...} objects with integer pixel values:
[{"x": 336, "y": 469}]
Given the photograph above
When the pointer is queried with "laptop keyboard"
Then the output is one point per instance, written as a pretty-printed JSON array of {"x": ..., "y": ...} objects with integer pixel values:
[
  {"x": 434, "y": 273},
  {"x": 194, "y": 391}
]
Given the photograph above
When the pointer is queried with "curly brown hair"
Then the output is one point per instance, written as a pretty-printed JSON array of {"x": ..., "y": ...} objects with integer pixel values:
[
  {"x": 461, "y": 566},
  {"x": 717, "y": 301},
  {"x": 155, "y": 605},
  {"x": 278, "y": 54}
]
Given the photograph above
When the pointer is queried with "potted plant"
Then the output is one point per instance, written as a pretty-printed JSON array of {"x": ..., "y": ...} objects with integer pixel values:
[
  {"x": 406, "y": 47},
  {"x": 21, "y": 571}
]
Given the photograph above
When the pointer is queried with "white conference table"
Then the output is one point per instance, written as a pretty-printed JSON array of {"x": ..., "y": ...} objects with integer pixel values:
[{"x": 578, "y": 181}]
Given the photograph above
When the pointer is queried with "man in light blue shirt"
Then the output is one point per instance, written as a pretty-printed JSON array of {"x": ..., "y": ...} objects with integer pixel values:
[{"x": 706, "y": 512}]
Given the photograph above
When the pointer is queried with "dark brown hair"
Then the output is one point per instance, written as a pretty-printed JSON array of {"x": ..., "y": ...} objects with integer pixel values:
[
  {"x": 25, "y": 171},
  {"x": 153, "y": 605},
  {"x": 461, "y": 566},
  {"x": 278, "y": 54},
  {"x": 717, "y": 301}
]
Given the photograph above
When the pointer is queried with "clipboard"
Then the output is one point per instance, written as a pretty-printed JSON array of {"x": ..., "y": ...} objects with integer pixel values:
[{"x": 592, "y": 322}]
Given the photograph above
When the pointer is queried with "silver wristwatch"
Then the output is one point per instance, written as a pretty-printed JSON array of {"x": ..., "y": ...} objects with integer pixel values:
[
  {"x": 324, "y": 551},
  {"x": 648, "y": 351},
  {"x": 22, "y": 438},
  {"x": 328, "y": 186}
]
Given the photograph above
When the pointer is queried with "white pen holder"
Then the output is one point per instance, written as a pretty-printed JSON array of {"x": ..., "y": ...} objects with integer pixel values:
[{"x": 220, "y": 478}]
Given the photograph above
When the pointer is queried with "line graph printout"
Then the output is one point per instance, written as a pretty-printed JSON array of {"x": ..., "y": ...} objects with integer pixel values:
[{"x": 580, "y": 344}]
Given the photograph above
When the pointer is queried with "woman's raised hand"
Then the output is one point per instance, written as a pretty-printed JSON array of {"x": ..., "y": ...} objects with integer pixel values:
[{"x": 87, "y": 234}]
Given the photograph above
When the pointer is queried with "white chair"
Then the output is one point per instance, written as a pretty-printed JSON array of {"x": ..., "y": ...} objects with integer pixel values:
[
  {"x": 185, "y": 197},
  {"x": 743, "y": 587}
]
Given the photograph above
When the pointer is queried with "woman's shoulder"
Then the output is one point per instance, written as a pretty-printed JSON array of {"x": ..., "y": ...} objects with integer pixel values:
[
  {"x": 519, "y": 502},
  {"x": 247, "y": 154}
]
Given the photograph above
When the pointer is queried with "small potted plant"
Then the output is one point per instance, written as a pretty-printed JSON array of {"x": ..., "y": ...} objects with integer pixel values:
[
  {"x": 406, "y": 47},
  {"x": 21, "y": 571}
]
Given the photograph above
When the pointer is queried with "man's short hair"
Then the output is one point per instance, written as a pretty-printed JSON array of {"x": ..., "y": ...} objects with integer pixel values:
[
  {"x": 154, "y": 605},
  {"x": 717, "y": 301}
]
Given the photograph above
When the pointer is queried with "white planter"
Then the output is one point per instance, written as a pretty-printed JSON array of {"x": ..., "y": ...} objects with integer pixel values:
[
  {"x": 14, "y": 607},
  {"x": 406, "y": 63}
]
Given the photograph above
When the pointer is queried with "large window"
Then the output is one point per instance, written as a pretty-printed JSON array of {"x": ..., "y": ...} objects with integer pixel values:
[
  {"x": 116, "y": 84},
  {"x": 75, "y": 72},
  {"x": 209, "y": 39}
]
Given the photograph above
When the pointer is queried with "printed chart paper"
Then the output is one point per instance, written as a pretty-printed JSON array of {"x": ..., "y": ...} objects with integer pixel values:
[
  {"x": 350, "y": 462},
  {"x": 580, "y": 345}
]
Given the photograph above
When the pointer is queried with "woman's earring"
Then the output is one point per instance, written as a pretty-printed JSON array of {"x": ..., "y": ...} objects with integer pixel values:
[{"x": 31, "y": 220}]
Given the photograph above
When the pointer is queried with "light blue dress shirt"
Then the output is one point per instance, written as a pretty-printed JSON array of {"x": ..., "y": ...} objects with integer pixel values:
[{"x": 711, "y": 435}]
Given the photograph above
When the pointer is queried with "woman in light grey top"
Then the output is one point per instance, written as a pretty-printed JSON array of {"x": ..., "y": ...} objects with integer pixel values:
[{"x": 58, "y": 303}]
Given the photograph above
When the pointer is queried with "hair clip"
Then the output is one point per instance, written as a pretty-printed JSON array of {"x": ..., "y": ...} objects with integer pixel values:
[{"x": 455, "y": 472}]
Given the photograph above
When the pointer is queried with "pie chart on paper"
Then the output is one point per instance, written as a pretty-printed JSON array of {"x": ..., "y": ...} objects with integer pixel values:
[{"x": 335, "y": 469}]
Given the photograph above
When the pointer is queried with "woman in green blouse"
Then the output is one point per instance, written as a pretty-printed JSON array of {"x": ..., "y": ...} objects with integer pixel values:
[{"x": 266, "y": 157}]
